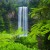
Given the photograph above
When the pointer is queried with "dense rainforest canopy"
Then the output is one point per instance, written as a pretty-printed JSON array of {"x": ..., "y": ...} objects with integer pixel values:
[{"x": 38, "y": 24}]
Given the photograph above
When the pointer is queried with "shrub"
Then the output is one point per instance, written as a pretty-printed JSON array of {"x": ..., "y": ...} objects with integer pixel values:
[{"x": 13, "y": 46}]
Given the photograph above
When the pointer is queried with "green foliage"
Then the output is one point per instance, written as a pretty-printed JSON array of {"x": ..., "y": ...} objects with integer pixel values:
[
  {"x": 39, "y": 33},
  {"x": 49, "y": 37},
  {"x": 28, "y": 41},
  {"x": 42, "y": 11},
  {"x": 12, "y": 46},
  {"x": 33, "y": 3},
  {"x": 5, "y": 9},
  {"x": 19, "y": 31},
  {"x": 41, "y": 28},
  {"x": 7, "y": 42}
]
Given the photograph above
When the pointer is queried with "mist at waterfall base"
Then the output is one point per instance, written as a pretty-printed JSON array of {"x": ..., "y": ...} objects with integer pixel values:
[{"x": 23, "y": 20}]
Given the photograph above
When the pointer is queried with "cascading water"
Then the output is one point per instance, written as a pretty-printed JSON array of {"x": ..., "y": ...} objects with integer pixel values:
[
  {"x": 23, "y": 19},
  {"x": 19, "y": 17}
]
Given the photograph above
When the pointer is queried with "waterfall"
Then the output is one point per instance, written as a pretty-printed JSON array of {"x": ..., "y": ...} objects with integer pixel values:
[
  {"x": 23, "y": 19},
  {"x": 19, "y": 17}
]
